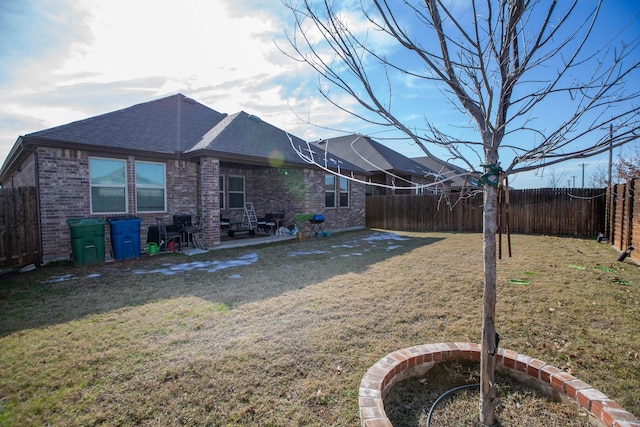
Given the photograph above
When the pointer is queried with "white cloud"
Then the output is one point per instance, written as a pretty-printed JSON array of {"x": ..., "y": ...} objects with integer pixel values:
[
  {"x": 116, "y": 53},
  {"x": 66, "y": 60}
]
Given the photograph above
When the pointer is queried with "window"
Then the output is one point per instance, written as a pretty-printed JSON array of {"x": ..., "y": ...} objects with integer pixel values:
[
  {"x": 343, "y": 192},
  {"x": 236, "y": 192},
  {"x": 368, "y": 190},
  {"x": 336, "y": 191},
  {"x": 222, "y": 192},
  {"x": 108, "y": 185},
  {"x": 150, "y": 187},
  {"x": 330, "y": 191}
]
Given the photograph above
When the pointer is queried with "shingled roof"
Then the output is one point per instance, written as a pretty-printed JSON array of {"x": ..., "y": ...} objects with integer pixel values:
[
  {"x": 371, "y": 155},
  {"x": 175, "y": 124},
  {"x": 167, "y": 125},
  {"x": 455, "y": 175},
  {"x": 245, "y": 136}
]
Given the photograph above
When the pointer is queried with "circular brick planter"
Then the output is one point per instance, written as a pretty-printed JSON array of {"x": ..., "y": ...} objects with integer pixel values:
[{"x": 416, "y": 361}]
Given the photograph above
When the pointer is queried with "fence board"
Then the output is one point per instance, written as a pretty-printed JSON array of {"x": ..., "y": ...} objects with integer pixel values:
[
  {"x": 19, "y": 243},
  {"x": 573, "y": 212}
]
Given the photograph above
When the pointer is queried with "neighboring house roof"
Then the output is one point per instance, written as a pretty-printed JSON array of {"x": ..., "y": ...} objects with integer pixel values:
[
  {"x": 454, "y": 174},
  {"x": 170, "y": 125},
  {"x": 371, "y": 155}
]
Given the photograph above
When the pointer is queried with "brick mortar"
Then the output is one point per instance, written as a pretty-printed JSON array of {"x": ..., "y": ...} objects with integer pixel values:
[{"x": 416, "y": 361}]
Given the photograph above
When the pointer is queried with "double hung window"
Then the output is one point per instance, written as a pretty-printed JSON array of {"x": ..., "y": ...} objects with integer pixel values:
[
  {"x": 336, "y": 191},
  {"x": 236, "y": 192},
  {"x": 150, "y": 187},
  {"x": 108, "y": 185}
]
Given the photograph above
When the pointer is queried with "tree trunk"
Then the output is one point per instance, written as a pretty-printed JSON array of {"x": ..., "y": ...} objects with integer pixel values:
[{"x": 489, "y": 344}]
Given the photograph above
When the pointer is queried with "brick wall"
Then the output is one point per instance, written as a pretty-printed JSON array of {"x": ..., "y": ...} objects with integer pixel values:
[
  {"x": 182, "y": 194},
  {"x": 192, "y": 188},
  {"x": 209, "y": 204},
  {"x": 25, "y": 176},
  {"x": 295, "y": 191},
  {"x": 65, "y": 193}
]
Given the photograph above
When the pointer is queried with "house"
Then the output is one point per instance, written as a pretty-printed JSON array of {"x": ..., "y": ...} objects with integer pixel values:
[
  {"x": 391, "y": 172},
  {"x": 454, "y": 177},
  {"x": 173, "y": 156}
]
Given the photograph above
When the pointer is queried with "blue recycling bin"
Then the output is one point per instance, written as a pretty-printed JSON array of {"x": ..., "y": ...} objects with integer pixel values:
[{"x": 125, "y": 237}]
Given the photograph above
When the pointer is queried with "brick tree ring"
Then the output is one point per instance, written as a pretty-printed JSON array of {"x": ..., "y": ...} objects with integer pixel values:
[{"x": 417, "y": 361}]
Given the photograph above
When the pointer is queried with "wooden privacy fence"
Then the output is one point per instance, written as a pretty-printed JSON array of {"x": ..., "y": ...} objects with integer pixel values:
[
  {"x": 19, "y": 243},
  {"x": 622, "y": 221},
  {"x": 569, "y": 212}
]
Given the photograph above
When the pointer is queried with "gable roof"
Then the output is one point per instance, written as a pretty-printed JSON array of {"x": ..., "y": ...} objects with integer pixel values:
[
  {"x": 245, "y": 137},
  {"x": 371, "y": 155},
  {"x": 170, "y": 125},
  {"x": 452, "y": 173},
  {"x": 166, "y": 125}
]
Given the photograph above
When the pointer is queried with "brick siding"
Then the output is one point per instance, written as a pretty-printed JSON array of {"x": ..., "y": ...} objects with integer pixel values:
[
  {"x": 192, "y": 188},
  {"x": 295, "y": 191}
]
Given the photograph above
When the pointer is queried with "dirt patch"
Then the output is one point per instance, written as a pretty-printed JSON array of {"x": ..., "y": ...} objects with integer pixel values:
[{"x": 410, "y": 402}]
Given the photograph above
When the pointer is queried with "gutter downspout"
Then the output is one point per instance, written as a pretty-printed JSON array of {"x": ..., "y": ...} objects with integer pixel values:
[{"x": 36, "y": 171}]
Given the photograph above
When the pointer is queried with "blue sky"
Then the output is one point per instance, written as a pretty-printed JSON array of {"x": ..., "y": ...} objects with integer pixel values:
[{"x": 66, "y": 60}]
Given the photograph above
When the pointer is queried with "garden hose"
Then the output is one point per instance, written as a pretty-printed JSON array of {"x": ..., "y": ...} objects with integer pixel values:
[{"x": 445, "y": 394}]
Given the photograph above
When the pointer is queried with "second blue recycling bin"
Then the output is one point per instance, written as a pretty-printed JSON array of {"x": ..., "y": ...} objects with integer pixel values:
[{"x": 125, "y": 237}]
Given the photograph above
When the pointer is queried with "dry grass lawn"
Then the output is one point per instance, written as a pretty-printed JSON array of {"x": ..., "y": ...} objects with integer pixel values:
[{"x": 282, "y": 334}]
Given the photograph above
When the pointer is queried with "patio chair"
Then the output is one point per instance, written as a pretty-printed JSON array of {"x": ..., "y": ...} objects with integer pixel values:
[
  {"x": 167, "y": 236},
  {"x": 225, "y": 223},
  {"x": 273, "y": 221},
  {"x": 197, "y": 233}
]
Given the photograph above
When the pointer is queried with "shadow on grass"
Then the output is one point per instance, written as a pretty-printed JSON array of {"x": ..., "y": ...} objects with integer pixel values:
[{"x": 230, "y": 277}]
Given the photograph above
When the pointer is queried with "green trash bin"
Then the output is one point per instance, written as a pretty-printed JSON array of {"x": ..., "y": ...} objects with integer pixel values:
[{"x": 87, "y": 240}]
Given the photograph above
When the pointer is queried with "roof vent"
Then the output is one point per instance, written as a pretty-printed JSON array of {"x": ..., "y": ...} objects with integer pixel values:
[{"x": 255, "y": 118}]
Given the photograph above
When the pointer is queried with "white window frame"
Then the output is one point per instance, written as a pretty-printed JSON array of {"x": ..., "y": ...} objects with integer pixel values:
[
  {"x": 337, "y": 191},
  {"x": 221, "y": 180},
  {"x": 331, "y": 191},
  {"x": 230, "y": 192},
  {"x": 123, "y": 186},
  {"x": 163, "y": 187},
  {"x": 340, "y": 191}
]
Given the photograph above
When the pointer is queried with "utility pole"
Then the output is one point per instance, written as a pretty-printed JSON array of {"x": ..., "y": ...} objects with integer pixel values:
[
  {"x": 609, "y": 206},
  {"x": 574, "y": 180},
  {"x": 610, "y": 154},
  {"x": 583, "y": 165}
]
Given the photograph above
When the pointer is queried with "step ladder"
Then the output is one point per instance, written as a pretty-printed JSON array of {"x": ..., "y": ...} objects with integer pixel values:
[{"x": 249, "y": 219}]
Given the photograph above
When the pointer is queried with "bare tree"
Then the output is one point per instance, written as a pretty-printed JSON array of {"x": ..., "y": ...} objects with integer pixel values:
[
  {"x": 500, "y": 63},
  {"x": 555, "y": 179},
  {"x": 627, "y": 165},
  {"x": 599, "y": 177}
]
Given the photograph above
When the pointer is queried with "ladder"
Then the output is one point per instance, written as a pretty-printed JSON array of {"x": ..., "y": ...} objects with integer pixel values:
[{"x": 249, "y": 218}]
